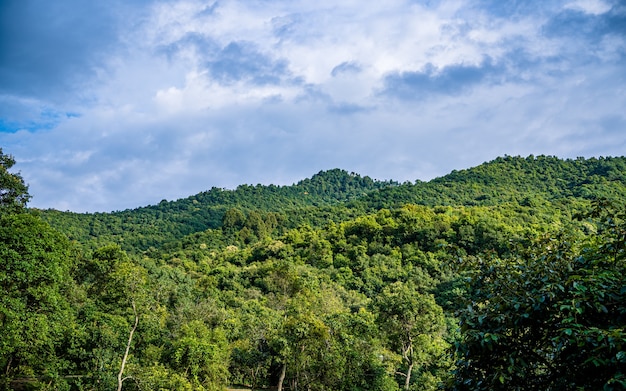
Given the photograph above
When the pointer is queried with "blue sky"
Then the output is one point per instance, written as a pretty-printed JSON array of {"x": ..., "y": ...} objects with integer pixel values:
[{"x": 109, "y": 105}]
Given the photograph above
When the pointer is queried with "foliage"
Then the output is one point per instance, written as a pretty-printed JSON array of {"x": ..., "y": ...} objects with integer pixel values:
[
  {"x": 530, "y": 181},
  {"x": 34, "y": 305},
  {"x": 415, "y": 326},
  {"x": 202, "y": 354},
  {"x": 482, "y": 279},
  {"x": 539, "y": 183},
  {"x": 13, "y": 191},
  {"x": 550, "y": 317},
  {"x": 314, "y": 199}
]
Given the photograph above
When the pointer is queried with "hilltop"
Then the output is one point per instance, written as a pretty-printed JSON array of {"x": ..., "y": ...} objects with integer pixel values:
[{"x": 335, "y": 195}]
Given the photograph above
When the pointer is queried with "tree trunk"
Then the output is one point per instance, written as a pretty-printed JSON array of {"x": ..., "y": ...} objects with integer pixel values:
[
  {"x": 120, "y": 380},
  {"x": 283, "y": 372},
  {"x": 408, "y": 356},
  {"x": 9, "y": 365},
  {"x": 407, "y": 381}
]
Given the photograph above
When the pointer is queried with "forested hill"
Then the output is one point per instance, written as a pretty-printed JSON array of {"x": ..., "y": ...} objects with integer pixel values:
[
  {"x": 153, "y": 225},
  {"x": 335, "y": 195},
  {"x": 526, "y": 181},
  {"x": 505, "y": 276}
]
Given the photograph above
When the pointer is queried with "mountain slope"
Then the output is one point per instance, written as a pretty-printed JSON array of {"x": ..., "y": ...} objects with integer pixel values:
[
  {"x": 336, "y": 194},
  {"x": 153, "y": 225},
  {"x": 513, "y": 179}
]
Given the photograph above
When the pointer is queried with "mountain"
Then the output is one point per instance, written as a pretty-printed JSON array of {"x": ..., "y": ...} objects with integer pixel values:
[
  {"x": 513, "y": 179},
  {"x": 495, "y": 277},
  {"x": 335, "y": 195},
  {"x": 153, "y": 225}
]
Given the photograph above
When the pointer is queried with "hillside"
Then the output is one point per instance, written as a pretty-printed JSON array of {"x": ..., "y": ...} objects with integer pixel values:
[
  {"x": 513, "y": 179},
  {"x": 336, "y": 195},
  {"x": 505, "y": 276},
  {"x": 154, "y": 225}
]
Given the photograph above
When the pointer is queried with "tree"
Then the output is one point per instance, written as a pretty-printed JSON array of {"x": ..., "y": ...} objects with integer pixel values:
[
  {"x": 304, "y": 338},
  {"x": 131, "y": 281},
  {"x": 120, "y": 297},
  {"x": 251, "y": 358},
  {"x": 233, "y": 220},
  {"x": 35, "y": 314},
  {"x": 203, "y": 355},
  {"x": 13, "y": 192},
  {"x": 414, "y": 326},
  {"x": 550, "y": 318}
]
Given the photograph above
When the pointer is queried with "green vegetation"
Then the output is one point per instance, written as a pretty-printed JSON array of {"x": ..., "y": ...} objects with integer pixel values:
[{"x": 510, "y": 276}]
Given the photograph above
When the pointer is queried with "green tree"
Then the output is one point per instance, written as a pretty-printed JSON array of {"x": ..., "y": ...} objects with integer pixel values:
[
  {"x": 252, "y": 353},
  {"x": 203, "y": 355},
  {"x": 232, "y": 221},
  {"x": 414, "y": 326},
  {"x": 35, "y": 315},
  {"x": 13, "y": 191},
  {"x": 131, "y": 281},
  {"x": 120, "y": 301},
  {"x": 550, "y": 318}
]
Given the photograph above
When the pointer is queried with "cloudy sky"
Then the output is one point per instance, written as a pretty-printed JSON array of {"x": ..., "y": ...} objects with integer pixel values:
[{"x": 109, "y": 105}]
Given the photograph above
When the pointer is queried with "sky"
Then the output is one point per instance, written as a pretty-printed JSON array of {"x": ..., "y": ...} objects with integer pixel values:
[{"x": 117, "y": 104}]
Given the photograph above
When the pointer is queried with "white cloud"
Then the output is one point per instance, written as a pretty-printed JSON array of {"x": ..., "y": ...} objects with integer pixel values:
[
  {"x": 194, "y": 95},
  {"x": 593, "y": 7}
]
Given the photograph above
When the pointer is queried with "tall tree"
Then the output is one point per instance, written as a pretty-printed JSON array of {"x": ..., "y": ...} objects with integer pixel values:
[
  {"x": 34, "y": 311},
  {"x": 414, "y": 326},
  {"x": 121, "y": 300},
  {"x": 13, "y": 191}
]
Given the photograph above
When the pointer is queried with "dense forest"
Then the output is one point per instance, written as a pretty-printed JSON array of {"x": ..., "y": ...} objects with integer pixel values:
[{"x": 506, "y": 276}]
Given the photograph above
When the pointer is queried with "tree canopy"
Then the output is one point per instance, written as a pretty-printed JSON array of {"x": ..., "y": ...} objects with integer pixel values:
[
  {"x": 13, "y": 190},
  {"x": 509, "y": 275}
]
